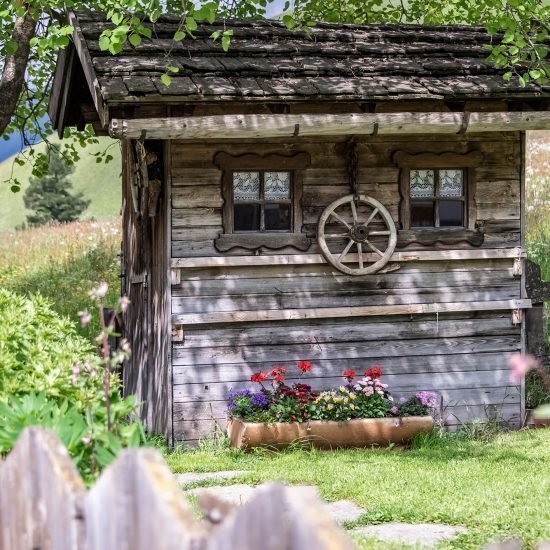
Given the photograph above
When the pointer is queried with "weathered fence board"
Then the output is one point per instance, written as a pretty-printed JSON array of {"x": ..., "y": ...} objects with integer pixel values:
[{"x": 137, "y": 505}]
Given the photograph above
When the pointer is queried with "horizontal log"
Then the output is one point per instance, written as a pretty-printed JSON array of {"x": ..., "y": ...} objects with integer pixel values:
[
  {"x": 303, "y": 125},
  {"x": 427, "y": 347},
  {"x": 341, "y": 283},
  {"x": 351, "y": 311},
  {"x": 342, "y": 330},
  {"x": 407, "y": 365},
  {"x": 483, "y": 391}
]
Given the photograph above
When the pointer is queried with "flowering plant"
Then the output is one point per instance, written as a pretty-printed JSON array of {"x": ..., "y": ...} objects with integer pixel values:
[{"x": 277, "y": 401}]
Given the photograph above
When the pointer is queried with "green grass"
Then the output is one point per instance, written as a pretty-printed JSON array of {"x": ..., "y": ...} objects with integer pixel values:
[
  {"x": 498, "y": 489},
  {"x": 100, "y": 183},
  {"x": 63, "y": 263}
]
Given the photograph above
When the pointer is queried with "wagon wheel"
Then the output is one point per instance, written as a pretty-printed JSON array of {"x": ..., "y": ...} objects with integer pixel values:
[{"x": 358, "y": 235}]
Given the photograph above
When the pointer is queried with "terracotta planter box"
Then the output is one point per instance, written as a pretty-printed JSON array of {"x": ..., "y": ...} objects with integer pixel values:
[{"x": 361, "y": 432}]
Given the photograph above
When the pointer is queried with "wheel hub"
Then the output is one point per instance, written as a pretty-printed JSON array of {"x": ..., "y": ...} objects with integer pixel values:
[{"x": 359, "y": 232}]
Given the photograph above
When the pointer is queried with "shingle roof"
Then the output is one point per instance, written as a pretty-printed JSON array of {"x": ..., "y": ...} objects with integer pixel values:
[{"x": 266, "y": 61}]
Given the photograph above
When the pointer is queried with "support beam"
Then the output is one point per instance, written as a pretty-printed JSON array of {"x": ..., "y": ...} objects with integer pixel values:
[
  {"x": 354, "y": 311},
  {"x": 304, "y": 125}
]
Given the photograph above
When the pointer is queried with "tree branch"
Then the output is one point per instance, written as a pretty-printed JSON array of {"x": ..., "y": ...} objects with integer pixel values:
[{"x": 15, "y": 65}]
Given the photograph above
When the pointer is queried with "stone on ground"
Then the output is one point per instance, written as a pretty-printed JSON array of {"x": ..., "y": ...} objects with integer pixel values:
[
  {"x": 342, "y": 510},
  {"x": 427, "y": 535},
  {"x": 196, "y": 477}
]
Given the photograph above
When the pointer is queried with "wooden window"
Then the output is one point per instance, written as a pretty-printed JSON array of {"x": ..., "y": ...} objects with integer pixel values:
[
  {"x": 262, "y": 201},
  {"x": 437, "y": 191},
  {"x": 437, "y": 197}
]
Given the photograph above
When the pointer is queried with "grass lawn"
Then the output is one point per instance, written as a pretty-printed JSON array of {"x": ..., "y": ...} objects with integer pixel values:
[{"x": 498, "y": 489}]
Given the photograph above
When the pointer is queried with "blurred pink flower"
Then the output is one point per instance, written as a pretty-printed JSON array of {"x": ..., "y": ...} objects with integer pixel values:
[
  {"x": 85, "y": 317},
  {"x": 99, "y": 292},
  {"x": 520, "y": 365},
  {"x": 124, "y": 303}
]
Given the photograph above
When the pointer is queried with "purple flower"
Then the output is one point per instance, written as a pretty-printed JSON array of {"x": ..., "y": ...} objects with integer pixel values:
[
  {"x": 394, "y": 410},
  {"x": 427, "y": 398},
  {"x": 260, "y": 400},
  {"x": 402, "y": 400}
]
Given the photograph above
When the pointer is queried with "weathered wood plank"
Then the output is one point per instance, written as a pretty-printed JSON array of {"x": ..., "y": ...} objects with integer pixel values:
[
  {"x": 343, "y": 283},
  {"x": 342, "y": 350},
  {"x": 352, "y": 311},
  {"x": 218, "y": 391},
  {"x": 266, "y": 126},
  {"x": 136, "y": 478},
  {"x": 41, "y": 495},
  {"x": 323, "y": 270},
  {"x": 341, "y": 330},
  {"x": 206, "y": 196},
  {"x": 196, "y": 217},
  {"x": 306, "y": 302},
  {"x": 403, "y": 365},
  {"x": 422, "y": 255}
]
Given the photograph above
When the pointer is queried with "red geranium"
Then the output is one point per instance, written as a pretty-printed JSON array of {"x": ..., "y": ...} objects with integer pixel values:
[
  {"x": 304, "y": 366},
  {"x": 258, "y": 377},
  {"x": 374, "y": 372},
  {"x": 349, "y": 374}
]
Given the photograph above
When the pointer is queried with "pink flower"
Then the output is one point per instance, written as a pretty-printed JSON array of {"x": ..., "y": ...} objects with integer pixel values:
[
  {"x": 520, "y": 365},
  {"x": 394, "y": 410},
  {"x": 124, "y": 303},
  {"x": 402, "y": 400},
  {"x": 85, "y": 317},
  {"x": 99, "y": 292}
]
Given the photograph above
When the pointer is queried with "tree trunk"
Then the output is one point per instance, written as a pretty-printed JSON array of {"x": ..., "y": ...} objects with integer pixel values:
[{"x": 15, "y": 66}]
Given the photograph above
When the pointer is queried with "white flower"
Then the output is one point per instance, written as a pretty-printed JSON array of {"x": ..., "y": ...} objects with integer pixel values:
[{"x": 99, "y": 292}]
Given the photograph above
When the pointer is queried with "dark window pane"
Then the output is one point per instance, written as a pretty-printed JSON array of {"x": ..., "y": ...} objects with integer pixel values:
[
  {"x": 277, "y": 217},
  {"x": 451, "y": 213},
  {"x": 422, "y": 214},
  {"x": 246, "y": 217}
]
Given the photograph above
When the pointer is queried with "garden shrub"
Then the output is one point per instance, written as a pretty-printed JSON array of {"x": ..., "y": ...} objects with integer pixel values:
[
  {"x": 38, "y": 350},
  {"x": 53, "y": 378}
]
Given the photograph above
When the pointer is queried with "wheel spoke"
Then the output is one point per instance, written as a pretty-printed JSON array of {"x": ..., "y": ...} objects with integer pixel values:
[
  {"x": 374, "y": 249},
  {"x": 337, "y": 236},
  {"x": 360, "y": 255},
  {"x": 340, "y": 219},
  {"x": 371, "y": 217},
  {"x": 379, "y": 233},
  {"x": 345, "y": 251},
  {"x": 353, "y": 210}
]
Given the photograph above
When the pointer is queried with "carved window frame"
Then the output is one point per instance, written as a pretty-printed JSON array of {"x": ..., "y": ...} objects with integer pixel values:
[
  {"x": 274, "y": 162},
  {"x": 467, "y": 162}
]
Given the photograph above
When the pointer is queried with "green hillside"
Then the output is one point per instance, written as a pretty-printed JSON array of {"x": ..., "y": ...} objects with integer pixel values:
[{"x": 99, "y": 182}]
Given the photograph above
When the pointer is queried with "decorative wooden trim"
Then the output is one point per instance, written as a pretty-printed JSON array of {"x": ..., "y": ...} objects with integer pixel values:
[
  {"x": 252, "y": 241},
  {"x": 251, "y": 161},
  {"x": 257, "y": 126},
  {"x": 302, "y": 259},
  {"x": 442, "y": 235},
  {"x": 434, "y": 160},
  {"x": 468, "y": 161},
  {"x": 88, "y": 68},
  {"x": 356, "y": 311}
]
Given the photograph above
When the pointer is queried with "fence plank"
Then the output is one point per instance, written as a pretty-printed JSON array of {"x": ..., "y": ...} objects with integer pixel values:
[
  {"x": 41, "y": 495},
  {"x": 138, "y": 505}
]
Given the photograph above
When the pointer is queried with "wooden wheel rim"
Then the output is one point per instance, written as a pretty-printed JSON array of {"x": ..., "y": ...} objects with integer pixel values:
[{"x": 336, "y": 260}]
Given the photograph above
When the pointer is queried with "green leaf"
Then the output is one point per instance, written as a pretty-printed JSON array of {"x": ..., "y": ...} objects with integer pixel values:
[
  {"x": 166, "y": 80},
  {"x": 521, "y": 81},
  {"x": 535, "y": 74},
  {"x": 289, "y": 22},
  {"x": 507, "y": 76},
  {"x": 145, "y": 31},
  {"x": 172, "y": 69},
  {"x": 226, "y": 40},
  {"x": 134, "y": 39},
  {"x": 11, "y": 47},
  {"x": 191, "y": 24},
  {"x": 178, "y": 36}
]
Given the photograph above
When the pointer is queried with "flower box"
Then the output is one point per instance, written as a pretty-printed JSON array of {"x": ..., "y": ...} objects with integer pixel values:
[{"x": 328, "y": 434}]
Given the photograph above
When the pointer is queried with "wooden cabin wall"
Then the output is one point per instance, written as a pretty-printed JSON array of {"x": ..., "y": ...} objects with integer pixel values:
[
  {"x": 462, "y": 356},
  {"x": 145, "y": 268}
]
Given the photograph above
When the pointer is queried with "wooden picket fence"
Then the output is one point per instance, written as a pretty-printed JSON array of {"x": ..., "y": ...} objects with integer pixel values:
[{"x": 137, "y": 504}]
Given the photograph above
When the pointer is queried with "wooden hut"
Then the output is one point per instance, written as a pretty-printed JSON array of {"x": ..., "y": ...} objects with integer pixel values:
[{"x": 349, "y": 195}]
